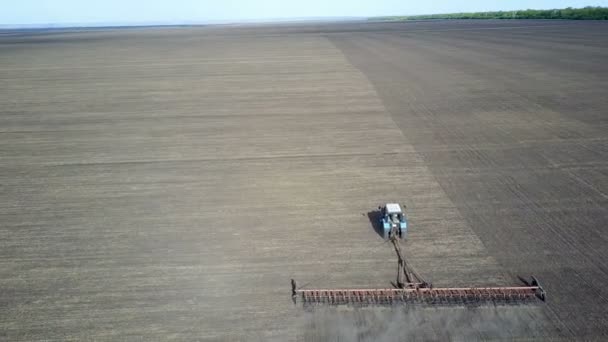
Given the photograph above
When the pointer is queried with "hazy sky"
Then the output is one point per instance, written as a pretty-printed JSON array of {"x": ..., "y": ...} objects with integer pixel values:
[{"x": 141, "y": 11}]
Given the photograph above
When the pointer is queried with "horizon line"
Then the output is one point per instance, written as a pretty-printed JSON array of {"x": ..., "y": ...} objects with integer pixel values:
[{"x": 176, "y": 23}]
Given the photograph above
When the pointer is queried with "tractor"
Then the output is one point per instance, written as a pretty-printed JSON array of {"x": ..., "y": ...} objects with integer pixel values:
[{"x": 394, "y": 222}]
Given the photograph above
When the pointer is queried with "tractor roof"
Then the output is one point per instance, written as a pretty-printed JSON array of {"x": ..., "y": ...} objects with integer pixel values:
[{"x": 393, "y": 208}]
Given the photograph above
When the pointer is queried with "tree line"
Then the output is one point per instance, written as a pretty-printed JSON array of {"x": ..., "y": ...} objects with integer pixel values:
[{"x": 586, "y": 13}]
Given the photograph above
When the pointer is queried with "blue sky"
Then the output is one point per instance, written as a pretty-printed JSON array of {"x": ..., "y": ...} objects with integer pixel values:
[{"x": 16, "y": 12}]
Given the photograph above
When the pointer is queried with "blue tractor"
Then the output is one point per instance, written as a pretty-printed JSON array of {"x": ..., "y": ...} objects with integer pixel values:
[{"x": 394, "y": 222}]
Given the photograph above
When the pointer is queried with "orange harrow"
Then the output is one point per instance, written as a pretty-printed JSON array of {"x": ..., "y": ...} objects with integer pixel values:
[{"x": 426, "y": 295}]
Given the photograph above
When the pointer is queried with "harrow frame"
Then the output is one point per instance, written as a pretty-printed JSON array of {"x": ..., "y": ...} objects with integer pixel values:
[{"x": 469, "y": 296}]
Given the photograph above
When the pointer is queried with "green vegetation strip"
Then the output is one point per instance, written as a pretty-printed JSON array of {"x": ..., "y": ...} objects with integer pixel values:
[{"x": 586, "y": 13}]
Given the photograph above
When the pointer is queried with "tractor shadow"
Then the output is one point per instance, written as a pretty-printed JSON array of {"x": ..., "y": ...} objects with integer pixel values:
[{"x": 375, "y": 217}]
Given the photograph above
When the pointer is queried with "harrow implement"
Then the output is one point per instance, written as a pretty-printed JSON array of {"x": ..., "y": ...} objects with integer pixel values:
[{"x": 469, "y": 296}]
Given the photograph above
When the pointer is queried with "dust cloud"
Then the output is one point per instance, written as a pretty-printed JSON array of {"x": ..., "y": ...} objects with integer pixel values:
[{"x": 423, "y": 324}]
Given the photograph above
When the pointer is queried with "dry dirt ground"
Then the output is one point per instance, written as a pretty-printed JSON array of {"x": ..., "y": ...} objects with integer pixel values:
[{"x": 165, "y": 184}]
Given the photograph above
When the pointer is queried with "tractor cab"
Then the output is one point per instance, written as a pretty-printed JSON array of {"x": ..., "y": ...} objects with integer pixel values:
[{"x": 393, "y": 221}]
